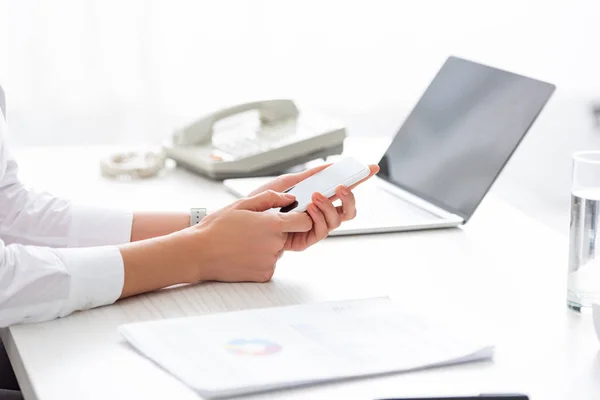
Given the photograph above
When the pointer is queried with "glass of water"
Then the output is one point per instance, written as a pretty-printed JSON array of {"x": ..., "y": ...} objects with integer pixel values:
[{"x": 583, "y": 287}]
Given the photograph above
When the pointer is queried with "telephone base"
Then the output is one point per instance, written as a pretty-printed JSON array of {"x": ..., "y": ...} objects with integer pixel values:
[{"x": 280, "y": 168}]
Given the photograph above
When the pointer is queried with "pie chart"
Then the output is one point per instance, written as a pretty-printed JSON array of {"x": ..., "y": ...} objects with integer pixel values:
[{"x": 253, "y": 347}]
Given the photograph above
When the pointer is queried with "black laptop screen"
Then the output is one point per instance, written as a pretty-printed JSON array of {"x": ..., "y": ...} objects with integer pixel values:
[{"x": 461, "y": 133}]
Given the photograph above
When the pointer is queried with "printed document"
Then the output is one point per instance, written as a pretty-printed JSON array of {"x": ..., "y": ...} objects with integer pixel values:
[{"x": 250, "y": 351}]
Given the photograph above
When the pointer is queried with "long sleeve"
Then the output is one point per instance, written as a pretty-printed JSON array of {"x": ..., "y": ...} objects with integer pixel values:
[
  {"x": 55, "y": 257},
  {"x": 41, "y": 283}
]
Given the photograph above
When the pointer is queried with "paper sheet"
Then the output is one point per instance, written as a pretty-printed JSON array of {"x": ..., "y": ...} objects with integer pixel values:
[{"x": 248, "y": 351}]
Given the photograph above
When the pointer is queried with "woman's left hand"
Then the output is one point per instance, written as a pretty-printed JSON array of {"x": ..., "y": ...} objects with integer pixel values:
[{"x": 326, "y": 217}]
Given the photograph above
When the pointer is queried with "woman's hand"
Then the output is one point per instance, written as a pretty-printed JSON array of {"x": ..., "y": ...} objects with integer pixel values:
[
  {"x": 238, "y": 243},
  {"x": 325, "y": 216},
  {"x": 242, "y": 243}
]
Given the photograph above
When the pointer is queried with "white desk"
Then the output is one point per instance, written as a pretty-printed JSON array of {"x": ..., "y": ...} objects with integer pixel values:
[{"x": 503, "y": 269}]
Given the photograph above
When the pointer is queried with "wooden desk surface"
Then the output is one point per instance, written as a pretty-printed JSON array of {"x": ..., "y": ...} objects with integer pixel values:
[{"x": 503, "y": 273}]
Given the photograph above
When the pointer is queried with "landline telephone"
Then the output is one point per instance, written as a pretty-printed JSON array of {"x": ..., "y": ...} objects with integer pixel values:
[{"x": 283, "y": 136}]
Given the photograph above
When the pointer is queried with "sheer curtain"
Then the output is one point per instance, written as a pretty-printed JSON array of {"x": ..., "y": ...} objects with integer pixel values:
[{"x": 108, "y": 71}]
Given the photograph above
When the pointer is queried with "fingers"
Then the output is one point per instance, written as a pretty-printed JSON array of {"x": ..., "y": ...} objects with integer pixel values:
[
  {"x": 332, "y": 217},
  {"x": 320, "y": 228},
  {"x": 348, "y": 208},
  {"x": 326, "y": 217},
  {"x": 265, "y": 201},
  {"x": 294, "y": 222}
]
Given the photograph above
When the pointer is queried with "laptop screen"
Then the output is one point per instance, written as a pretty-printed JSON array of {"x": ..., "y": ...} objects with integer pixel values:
[{"x": 461, "y": 133}]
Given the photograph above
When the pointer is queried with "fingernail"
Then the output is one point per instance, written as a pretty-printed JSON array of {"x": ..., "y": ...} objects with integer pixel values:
[{"x": 345, "y": 191}]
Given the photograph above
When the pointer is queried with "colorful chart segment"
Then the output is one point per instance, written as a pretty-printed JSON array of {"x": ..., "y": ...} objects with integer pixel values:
[{"x": 253, "y": 347}]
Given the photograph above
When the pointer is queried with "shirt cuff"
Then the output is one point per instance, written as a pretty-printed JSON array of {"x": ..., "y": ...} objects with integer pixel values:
[
  {"x": 99, "y": 227},
  {"x": 97, "y": 276}
]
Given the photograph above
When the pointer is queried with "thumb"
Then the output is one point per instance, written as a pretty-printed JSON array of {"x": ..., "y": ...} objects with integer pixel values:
[{"x": 265, "y": 201}]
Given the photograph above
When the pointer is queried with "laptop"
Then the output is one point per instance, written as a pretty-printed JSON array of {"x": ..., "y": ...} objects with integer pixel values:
[{"x": 448, "y": 152}]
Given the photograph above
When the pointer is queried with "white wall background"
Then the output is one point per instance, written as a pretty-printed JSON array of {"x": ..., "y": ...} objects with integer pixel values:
[
  {"x": 111, "y": 70},
  {"x": 108, "y": 71}
]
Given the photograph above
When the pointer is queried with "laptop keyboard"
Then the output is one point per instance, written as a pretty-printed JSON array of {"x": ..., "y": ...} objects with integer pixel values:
[
  {"x": 378, "y": 200},
  {"x": 377, "y": 207}
]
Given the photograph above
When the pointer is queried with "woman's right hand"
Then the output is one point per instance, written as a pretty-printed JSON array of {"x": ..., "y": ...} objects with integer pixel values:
[
  {"x": 238, "y": 243},
  {"x": 242, "y": 243}
]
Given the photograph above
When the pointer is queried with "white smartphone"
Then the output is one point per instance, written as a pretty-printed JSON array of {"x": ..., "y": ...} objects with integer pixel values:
[{"x": 347, "y": 172}]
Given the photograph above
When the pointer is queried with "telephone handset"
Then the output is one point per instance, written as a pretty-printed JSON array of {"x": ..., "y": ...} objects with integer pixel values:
[
  {"x": 284, "y": 136},
  {"x": 270, "y": 111}
]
